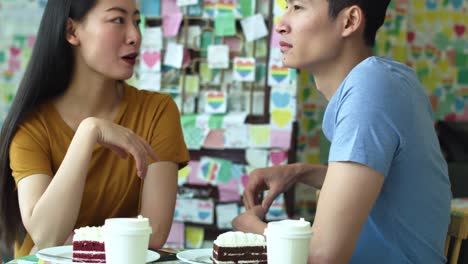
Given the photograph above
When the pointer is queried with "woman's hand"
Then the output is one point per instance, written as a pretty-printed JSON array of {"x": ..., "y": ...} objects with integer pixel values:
[{"x": 122, "y": 141}]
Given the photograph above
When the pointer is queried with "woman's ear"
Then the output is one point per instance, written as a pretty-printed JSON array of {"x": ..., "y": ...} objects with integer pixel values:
[
  {"x": 353, "y": 21},
  {"x": 72, "y": 37}
]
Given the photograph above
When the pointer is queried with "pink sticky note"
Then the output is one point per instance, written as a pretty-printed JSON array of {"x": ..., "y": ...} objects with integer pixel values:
[
  {"x": 176, "y": 236},
  {"x": 171, "y": 24},
  {"x": 275, "y": 38},
  {"x": 171, "y": 16},
  {"x": 193, "y": 178},
  {"x": 280, "y": 139},
  {"x": 229, "y": 192},
  {"x": 214, "y": 139}
]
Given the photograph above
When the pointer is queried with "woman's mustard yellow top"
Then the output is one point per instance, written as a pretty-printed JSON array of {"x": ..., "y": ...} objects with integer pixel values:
[{"x": 112, "y": 187}]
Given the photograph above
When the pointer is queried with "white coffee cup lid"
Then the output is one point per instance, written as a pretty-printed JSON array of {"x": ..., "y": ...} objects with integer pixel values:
[
  {"x": 139, "y": 224},
  {"x": 289, "y": 227}
]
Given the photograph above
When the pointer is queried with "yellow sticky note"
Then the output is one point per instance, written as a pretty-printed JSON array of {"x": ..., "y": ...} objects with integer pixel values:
[{"x": 194, "y": 236}]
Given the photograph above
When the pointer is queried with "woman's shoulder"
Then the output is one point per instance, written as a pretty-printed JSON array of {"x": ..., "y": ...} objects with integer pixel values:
[{"x": 139, "y": 96}]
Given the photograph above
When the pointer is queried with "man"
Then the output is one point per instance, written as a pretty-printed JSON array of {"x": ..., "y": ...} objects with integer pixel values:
[{"x": 385, "y": 194}]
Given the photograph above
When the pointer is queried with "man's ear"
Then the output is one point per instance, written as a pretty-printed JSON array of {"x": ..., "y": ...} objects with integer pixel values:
[
  {"x": 72, "y": 37},
  {"x": 353, "y": 21}
]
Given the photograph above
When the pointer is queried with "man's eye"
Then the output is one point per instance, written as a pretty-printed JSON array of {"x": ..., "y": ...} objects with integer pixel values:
[
  {"x": 296, "y": 7},
  {"x": 138, "y": 22}
]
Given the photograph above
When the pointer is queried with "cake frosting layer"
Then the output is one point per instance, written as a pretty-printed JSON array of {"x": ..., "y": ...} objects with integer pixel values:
[
  {"x": 239, "y": 247},
  {"x": 88, "y": 233},
  {"x": 237, "y": 238}
]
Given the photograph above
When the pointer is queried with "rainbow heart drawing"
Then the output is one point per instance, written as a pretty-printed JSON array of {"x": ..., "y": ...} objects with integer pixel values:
[
  {"x": 215, "y": 100},
  {"x": 210, "y": 170},
  {"x": 280, "y": 100},
  {"x": 430, "y": 51},
  {"x": 244, "y": 68},
  {"x": 279, "y": 73},
  {"x": 416, "y": 51},
  {"x": 209, "y": 8},
  {"x": 225, "y": 7}
]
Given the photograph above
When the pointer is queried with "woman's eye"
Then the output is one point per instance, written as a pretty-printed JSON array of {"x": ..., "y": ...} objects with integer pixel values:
[
  {"x": 138, "y": 22},
  {"x": 296, "y": 7},
  {"x": 119, "y": 20}
]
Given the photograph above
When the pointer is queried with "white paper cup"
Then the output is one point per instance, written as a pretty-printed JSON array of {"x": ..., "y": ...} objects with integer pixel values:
[
  {"x": 288, "y": 241},
  {"x": 126, "y": 240}
]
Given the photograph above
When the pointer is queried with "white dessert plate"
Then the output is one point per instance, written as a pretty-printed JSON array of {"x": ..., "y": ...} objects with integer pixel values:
[
  {"x": 196, "y": 256},
  {"x": 64, "y": 255}
]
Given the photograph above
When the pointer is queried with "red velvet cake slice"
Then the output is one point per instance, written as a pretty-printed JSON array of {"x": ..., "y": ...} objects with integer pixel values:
[
  {"x": 239, "y": 247},
  {"x": 88, "y": 245}
]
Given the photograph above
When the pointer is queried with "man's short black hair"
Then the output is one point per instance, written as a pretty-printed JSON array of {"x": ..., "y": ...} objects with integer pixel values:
[{"x": 374, "y": 12}]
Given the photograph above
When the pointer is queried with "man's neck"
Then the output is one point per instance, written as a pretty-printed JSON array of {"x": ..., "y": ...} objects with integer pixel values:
[{"x": 328, "y": 76}]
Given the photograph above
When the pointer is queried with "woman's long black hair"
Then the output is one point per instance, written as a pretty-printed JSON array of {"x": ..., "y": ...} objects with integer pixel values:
[{"x": 48, "y": 75}]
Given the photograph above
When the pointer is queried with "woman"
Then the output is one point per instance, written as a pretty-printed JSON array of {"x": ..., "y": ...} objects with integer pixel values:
[{"x": 71, "y": 97}]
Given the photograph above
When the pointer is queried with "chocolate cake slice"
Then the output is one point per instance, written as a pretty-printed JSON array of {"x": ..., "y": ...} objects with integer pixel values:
[{"x": 239, "y": 247}]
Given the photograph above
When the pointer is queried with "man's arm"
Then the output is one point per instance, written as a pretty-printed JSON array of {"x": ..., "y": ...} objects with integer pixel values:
[{"x": 346, "y": 199}]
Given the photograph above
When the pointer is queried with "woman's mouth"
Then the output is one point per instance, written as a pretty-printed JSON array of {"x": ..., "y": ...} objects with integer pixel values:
[{"x": 130, "y": 58}]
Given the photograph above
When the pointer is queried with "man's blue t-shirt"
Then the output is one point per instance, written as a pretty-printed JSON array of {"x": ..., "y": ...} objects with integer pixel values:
[{"x": 381, "y": 117}]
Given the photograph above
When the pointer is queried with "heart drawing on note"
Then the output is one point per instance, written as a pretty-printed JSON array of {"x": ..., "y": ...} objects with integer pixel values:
[
  {"x": 244, "y": 68},
  {"x": 281, "y": 117},
  {"x": 215, "y": 99},
  {"x": 260, "y": 135},
  {"x": 150, "y": 58},
  {"x": 210, "y": 170},
  {"x": 279, "y": 73},
  {"x": 281, "y": 100},
  {"x": 278, "y": 157}
]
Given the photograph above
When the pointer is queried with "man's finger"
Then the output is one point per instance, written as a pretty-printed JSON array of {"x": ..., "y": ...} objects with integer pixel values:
[{"x": 268, "y": 200}]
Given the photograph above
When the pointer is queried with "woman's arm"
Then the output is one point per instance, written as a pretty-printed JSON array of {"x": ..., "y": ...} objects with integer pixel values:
[
  {"x": 158, "y": 200},
  {"x": 50, "y": 206}
]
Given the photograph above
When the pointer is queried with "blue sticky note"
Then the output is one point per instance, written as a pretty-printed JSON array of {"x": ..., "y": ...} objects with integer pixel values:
[{"x": 151, "y": 8}]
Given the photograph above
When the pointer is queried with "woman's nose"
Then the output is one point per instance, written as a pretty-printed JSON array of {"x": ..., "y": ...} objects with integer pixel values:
[{"x": 134, "y": 36}]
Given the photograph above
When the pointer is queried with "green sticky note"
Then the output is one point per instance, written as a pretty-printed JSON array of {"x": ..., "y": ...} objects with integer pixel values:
[
  {"x": 205, "y": 72},
  {"x": 461, "y": 59},
  {"x": 188, "y": 120},
  {"x": 142, "y": 23},
  {"x": 261, "y": 48},
  {"x": 246, "y": 7},
  {"x": 206, "y": 40},
  {"x": 216, "y": 121},
  {"x": 225, "y": 25},
  {"x": 192, "y": 83},
  {"x": 260, "y": 72},
  {"x": 463, "y": 76},
  {"x": 224, "y": 175},
  {"x": 292, "y": 74},
  {"x": 441, "y": 41},
  {"x": 2, "y": 56}
]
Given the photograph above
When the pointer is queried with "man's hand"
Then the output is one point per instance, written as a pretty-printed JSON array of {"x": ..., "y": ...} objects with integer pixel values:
[
  {"x": 251, "y": 221},
  {"x": 276, "y": 179}
]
